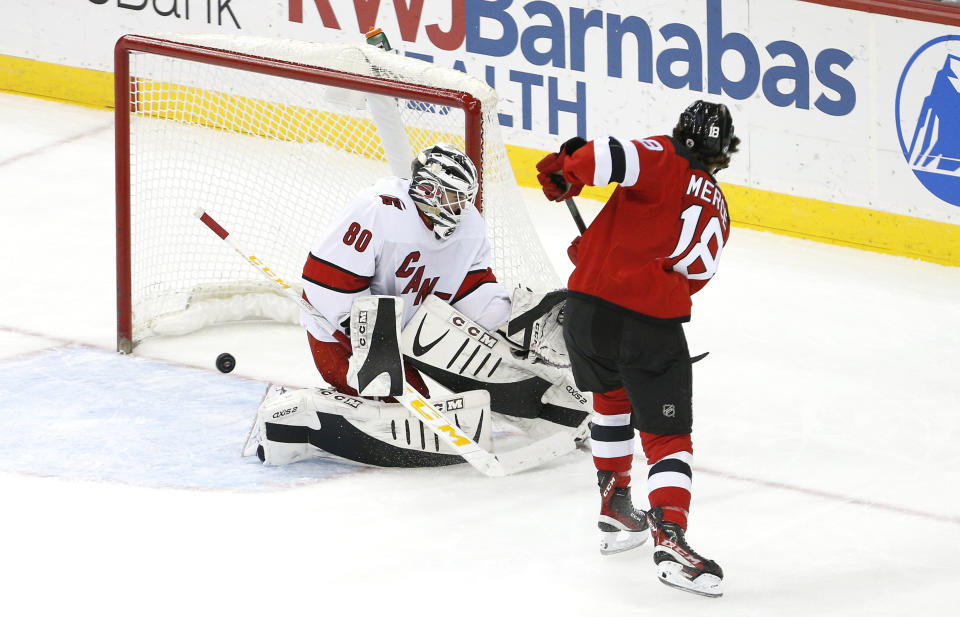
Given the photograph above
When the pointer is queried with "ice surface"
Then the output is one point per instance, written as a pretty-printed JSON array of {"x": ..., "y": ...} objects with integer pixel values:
[{"x": 92, "y": 414}]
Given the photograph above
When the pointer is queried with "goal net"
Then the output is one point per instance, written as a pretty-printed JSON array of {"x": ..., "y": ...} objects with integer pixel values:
[{"x": 273, "y": 137}]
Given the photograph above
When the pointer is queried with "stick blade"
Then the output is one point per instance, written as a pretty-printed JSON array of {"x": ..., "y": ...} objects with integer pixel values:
[{"x": 535, "y": 454}]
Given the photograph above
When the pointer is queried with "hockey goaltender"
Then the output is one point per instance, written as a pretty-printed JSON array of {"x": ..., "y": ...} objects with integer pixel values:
[{"x": 406, "y": 273}]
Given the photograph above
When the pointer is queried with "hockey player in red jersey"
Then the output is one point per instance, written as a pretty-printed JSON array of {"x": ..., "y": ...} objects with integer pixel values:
[{"x": 655, "y": 243}]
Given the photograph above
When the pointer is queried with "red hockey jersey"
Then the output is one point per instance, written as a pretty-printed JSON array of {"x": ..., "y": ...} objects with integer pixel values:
[{"x": 658, "y": 239}]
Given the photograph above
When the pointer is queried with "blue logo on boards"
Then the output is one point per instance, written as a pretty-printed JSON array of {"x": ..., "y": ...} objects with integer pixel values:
[{"x": 928, "y": 116}]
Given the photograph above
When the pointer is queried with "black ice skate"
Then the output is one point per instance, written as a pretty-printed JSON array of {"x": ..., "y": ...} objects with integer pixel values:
[
  {"x": 679, "y": 565},
  {"x": 622, "y": 527}
]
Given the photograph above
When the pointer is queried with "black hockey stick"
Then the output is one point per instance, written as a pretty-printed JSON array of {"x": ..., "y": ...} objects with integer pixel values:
[{"x": 575, "y": 213}]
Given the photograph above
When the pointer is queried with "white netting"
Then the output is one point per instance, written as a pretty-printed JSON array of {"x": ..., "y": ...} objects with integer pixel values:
[{"x": 275, "y": 159}]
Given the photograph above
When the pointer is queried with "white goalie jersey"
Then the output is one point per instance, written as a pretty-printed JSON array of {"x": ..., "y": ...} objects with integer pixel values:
[{"x": 380, "y": 245}]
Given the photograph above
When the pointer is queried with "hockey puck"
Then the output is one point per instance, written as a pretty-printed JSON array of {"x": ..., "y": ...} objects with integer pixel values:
[{"x": 225, "y": 363}]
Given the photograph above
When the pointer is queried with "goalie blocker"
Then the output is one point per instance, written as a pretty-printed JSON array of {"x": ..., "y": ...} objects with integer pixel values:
[{"x": 376, "y": 367}]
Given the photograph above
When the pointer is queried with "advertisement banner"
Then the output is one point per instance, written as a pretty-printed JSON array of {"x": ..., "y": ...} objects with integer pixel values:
[{"x": 835, "y": 107}]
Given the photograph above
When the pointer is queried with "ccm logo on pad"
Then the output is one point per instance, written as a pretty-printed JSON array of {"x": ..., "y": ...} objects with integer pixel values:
[{"x": 475, "y": 332}]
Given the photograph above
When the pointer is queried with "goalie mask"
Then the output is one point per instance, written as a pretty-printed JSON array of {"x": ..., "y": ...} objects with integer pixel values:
[
  {"x": 707, "y": 128},
  {"x": 443, "y": 184}
]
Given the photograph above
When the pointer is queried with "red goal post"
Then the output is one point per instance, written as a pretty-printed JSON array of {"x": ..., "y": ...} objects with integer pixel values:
[{"x": 274, "y": 137}]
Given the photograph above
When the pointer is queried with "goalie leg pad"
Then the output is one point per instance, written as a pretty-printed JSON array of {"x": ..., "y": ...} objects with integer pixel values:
[
  {"x": 328, "y": 423},
  {"x": 460, "y": 355},
  {"x": 285, "y": 407}
]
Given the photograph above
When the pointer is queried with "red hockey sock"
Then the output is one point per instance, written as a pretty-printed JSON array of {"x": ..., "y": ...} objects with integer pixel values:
[
  {"x": 611, "y": 435},
  {"x": 670, "y": 477}
]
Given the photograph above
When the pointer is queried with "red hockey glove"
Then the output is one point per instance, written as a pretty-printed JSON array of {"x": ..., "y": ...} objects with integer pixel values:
[
  {"x": 551, "y": 178},
  {"x": 556, "y": 188},
  {"x": 573, "y": 251}
]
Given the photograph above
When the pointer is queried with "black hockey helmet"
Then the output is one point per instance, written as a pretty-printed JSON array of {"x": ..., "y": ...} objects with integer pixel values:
[{"x": 706, "y": 128}]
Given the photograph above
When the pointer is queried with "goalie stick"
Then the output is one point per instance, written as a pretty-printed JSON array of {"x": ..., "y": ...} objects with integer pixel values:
[{"x": 485, "y": 462}]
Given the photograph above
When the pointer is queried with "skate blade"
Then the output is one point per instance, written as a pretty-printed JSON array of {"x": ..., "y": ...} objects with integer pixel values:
[
  {"x": 611, "y": 542},
  {"x": 707, "y": 585}
]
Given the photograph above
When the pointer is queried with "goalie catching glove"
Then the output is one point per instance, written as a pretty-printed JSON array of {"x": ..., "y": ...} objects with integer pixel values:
[{"x": 536, "y": 325}]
